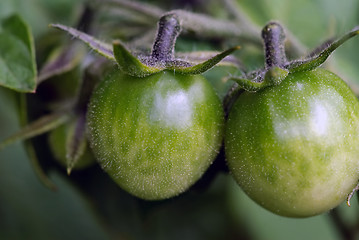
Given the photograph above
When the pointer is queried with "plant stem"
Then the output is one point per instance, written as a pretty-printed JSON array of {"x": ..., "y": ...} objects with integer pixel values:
[
  {"x": 168, "y": 31},
  {"x": 29, "y": 148},
  {"x": 86, "y": 19},
  {"x": 146, "y": 9},
  {"x": 293, "y": 44},
  {"x": 206, "y": 26},
  {"x": 273, "y": 36},
  {"x": 345, "y": 231},
  {"x": 241, "y": 29},
  {"x": 242, "y": 20}
]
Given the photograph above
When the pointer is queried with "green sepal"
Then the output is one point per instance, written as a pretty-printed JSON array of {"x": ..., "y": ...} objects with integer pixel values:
[
  {"x": 40, "y": 126},
  {"x": 204, "y": 66},
  {"x": 272, "y": 77},
  {"x": 131, "y": 65},
  {"x": 196, "y": 57},
  {"x": 317, "y": 60},
  {"x": 76, "y": 142},
  {"x": 100, "y": 47},
  {"x": 247, "y": 84},
  {"x": 275, "y": 76}
]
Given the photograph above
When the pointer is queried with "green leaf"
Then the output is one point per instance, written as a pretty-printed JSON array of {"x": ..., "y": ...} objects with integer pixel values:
[
  {"x": 17, "y": 56},
  {"x": 66, "y": 60}
]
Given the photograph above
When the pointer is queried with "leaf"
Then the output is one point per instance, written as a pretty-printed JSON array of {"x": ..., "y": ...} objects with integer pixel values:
[
  {"x": 40, "y": 126},
  {"x": 17, "y": 56},
  {"x": 68, "y": 58},
  {"x": 100, "y": 47}
]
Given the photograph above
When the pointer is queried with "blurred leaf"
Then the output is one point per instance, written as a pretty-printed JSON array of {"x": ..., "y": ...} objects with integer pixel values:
[
  {"x": 64, "y": 11},
  {"x": 28, "y": 210},
  {"x": 40, "y": 126},
  {"x": 32, "y": 12},
  {"x": 67, "y": 59},
  {"x": 17, "y": 56}
]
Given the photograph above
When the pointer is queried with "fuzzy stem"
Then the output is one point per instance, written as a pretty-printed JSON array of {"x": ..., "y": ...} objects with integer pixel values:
[
  {"x": 168, "y": 31},
  {"x": 208, "y": 27},
  {"x": 135, "y": 6},
  {"x": 343, "y": 229},
  {"x": 273, "y": 36},
  {"x": 240, "y": 17}
]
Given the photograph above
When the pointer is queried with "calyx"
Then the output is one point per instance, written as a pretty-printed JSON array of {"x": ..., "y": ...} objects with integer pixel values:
[
  {"x": 161, "y": 58},
  {"x": 277, "y": 67}
]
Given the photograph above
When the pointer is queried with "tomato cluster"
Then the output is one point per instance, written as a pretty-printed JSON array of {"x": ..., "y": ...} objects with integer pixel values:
[
  {"x": 155, "y": 126},
  {"x": 290, "y": 139},
  {"x": 289, "y": 131}
]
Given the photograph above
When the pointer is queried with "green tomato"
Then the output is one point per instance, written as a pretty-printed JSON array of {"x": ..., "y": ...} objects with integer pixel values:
[
  {"x": 57, "y": 140},
  {"x": 293, "y": 148},
  {"x": 155, "y": 136}
]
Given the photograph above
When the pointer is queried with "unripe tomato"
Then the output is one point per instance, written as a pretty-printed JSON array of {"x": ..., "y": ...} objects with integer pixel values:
[
  {"x": 293, "y": 148},
  {"x": 155, "y": 136}
]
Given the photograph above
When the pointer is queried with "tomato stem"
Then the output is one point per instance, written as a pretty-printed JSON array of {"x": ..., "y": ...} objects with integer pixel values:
[
  {"x": 351, "y": 194},
  {"x": 168, "y": 31},
  {"x": 273, "y": 36}
]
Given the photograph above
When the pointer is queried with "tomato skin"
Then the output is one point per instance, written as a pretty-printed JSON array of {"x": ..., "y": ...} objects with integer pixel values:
[
  {"x": 293, "y": 148},
  {"x": 155, "y": 136}
]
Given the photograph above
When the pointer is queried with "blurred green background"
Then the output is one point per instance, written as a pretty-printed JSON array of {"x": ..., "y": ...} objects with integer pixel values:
[{"x": 220, "y": 210}]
